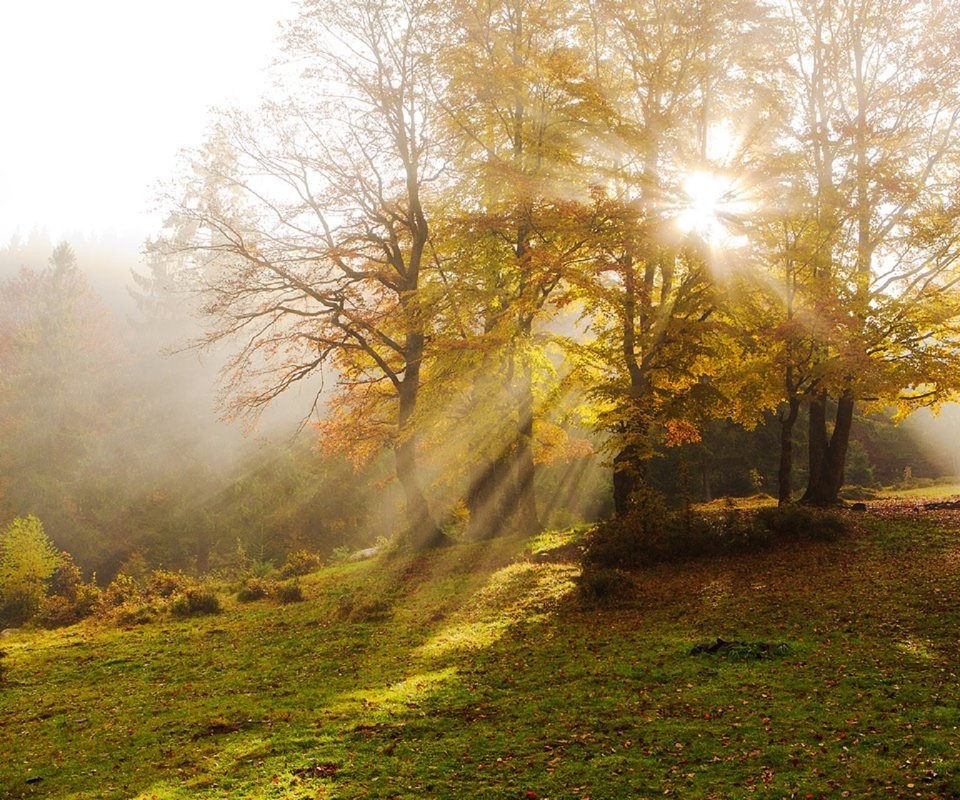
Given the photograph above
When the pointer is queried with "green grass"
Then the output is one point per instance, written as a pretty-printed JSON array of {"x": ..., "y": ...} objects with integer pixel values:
[
  {"x": 937, "y": 492},
  {"x": 474, "y": 673}
]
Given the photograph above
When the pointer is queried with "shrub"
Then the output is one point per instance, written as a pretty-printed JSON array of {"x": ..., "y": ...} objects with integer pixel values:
[
  {"x": 28, "y": 560},
  {"x": 795, "y": 522},
  {"x": 288, "y": 592},
  {"x": 122, "y": 589},
  {"x": 135, "y": 612},
  {"x": 340, "y": 554},
  {"x": 70, "y": 599},
  {"x": 67, "y": 578},
  {"x": 650, "y": 534},
  {"x": 604, "y": 586},
  {"x": 629, "y": 541},
  {"x": 195, "y": 601},
  {"x": 355, "y": 608},
  {"x": 55, "y": 612},
  {"x": 86, "y": 601},
  {"x": 260, "y": 568},
  {"x": 375, "y": 610},
  {"x": 253, "y": 589},
  {"x": 163, "y": 583},
  {"x": 300, "y": 562},
  {"x": 58, "y": 612}
]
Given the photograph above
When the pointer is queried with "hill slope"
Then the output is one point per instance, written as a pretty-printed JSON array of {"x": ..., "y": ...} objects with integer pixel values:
[{"x": 474, "y": 673}]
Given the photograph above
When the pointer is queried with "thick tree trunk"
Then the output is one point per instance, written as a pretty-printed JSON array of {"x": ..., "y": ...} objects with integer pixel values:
[
  {"x": 785, "y": 471},
  {"x": 828, "y": 455},
  {"x": 422, "y": 529},
  {"x": 627, "y": 478}
]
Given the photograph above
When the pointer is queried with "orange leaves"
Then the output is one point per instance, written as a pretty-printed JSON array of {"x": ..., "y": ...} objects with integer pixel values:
[
  {"x": 555, "y": 445},
  {"x": 679, "y": 432}
]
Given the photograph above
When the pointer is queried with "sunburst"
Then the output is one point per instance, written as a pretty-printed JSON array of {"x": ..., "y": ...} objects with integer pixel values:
[{"x": 712, "y": 208}]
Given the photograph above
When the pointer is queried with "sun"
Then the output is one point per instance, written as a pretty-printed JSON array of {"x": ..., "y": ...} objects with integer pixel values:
[{"x": 711, "y": 208}]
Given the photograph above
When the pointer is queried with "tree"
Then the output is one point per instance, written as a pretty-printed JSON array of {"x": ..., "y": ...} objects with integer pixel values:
[
  {"x": 652, "y": 294},
  {"x": 59, "y": 357},
  {"x": 875, "y": 94},
  {"x": 513, "y": 101},
  {"x": 309, "y": 228}
]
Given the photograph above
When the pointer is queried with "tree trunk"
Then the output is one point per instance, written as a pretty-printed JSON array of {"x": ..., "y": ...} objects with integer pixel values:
[
  {"x": 422, "y": 529},
  {"x": 705, "y": 477},
  {"x": 627, "y": 478},
  {"x": 629, "y": 465},
  {"x": 828, "y": 456},
  {"x": 785, "y": 471}
]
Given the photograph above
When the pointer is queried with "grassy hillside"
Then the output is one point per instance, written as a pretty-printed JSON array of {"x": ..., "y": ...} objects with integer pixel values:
[{"x": 475, "y": 673}]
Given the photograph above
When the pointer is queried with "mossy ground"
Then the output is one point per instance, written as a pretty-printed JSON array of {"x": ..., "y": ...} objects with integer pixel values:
[{"x": 474, "y": 672}]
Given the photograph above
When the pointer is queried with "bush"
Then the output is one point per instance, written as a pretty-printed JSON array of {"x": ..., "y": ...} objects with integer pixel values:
[
  {"x": 163, "y": 583},
  {"x": 300, "y": 562},
  {"x": 123, "y": 589},
  {"x": 69, "y": 600},
  {"x": 55, "y": 612},
  {"x": 604, "y": 586},
  {"x": 28, "y": 561},
  {"x": 797, "y": 522},
  {"x": 288, "y": 592},
  {"x": 135, "y": 612},
  {"x": 253, "y": 589},
  {"x": 195, "y": 601},
  {"x": 649, "y": 533},
  {"x": 353, "y": 607},
  {"x": 67, "y": 578},
  {"x": 340, "y": 554},
  {"x": 630, "y": 541}
]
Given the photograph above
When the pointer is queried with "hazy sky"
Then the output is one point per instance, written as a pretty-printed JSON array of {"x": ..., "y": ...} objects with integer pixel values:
[{"x": 98, "y": 96}]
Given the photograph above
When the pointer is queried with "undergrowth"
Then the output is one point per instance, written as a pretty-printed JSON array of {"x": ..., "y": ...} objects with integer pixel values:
[{"x": 650, "y": 533}]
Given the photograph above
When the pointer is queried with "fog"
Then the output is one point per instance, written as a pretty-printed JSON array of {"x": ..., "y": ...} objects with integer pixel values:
[
  {"x": 113, "y": 424},
  {"x": 111, "y": 428}
]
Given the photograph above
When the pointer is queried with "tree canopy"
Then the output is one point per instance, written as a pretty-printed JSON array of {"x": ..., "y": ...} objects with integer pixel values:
[{"x": 689, "y": 211}]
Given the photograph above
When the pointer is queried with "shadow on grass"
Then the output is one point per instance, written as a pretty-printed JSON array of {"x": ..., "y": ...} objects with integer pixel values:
[{"x": 251, "y": 702}]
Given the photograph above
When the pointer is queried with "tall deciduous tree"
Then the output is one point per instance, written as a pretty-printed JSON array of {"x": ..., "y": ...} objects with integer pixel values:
[
  {"x": 665, "y": 67},
  {"x": 875, "y": 95},
  {"x": 311, "y": 227},
  {"x": 514, "y": 105}
]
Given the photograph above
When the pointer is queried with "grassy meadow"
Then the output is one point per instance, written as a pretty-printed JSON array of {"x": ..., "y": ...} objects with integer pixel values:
[{"x": 477, "y": 672}]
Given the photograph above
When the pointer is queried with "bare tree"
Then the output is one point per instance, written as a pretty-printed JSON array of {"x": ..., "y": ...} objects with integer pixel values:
[{"x": 307, "y": 228}]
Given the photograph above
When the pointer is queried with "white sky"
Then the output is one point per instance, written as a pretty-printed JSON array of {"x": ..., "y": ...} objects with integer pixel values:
[{"x": 97, "y": 97}]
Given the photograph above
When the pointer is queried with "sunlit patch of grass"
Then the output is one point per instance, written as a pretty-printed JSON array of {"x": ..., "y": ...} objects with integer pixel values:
[
  {"x": 917, "y": 649},
  {"x": 463, "y": 636},
  {"x": 935, "y": 492},
  {"x": 519, "y": 592},
  {"x": 760, "y": 500},
  {"x": 396, "y": 698},
  {"x": 554, "y": 540}
]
